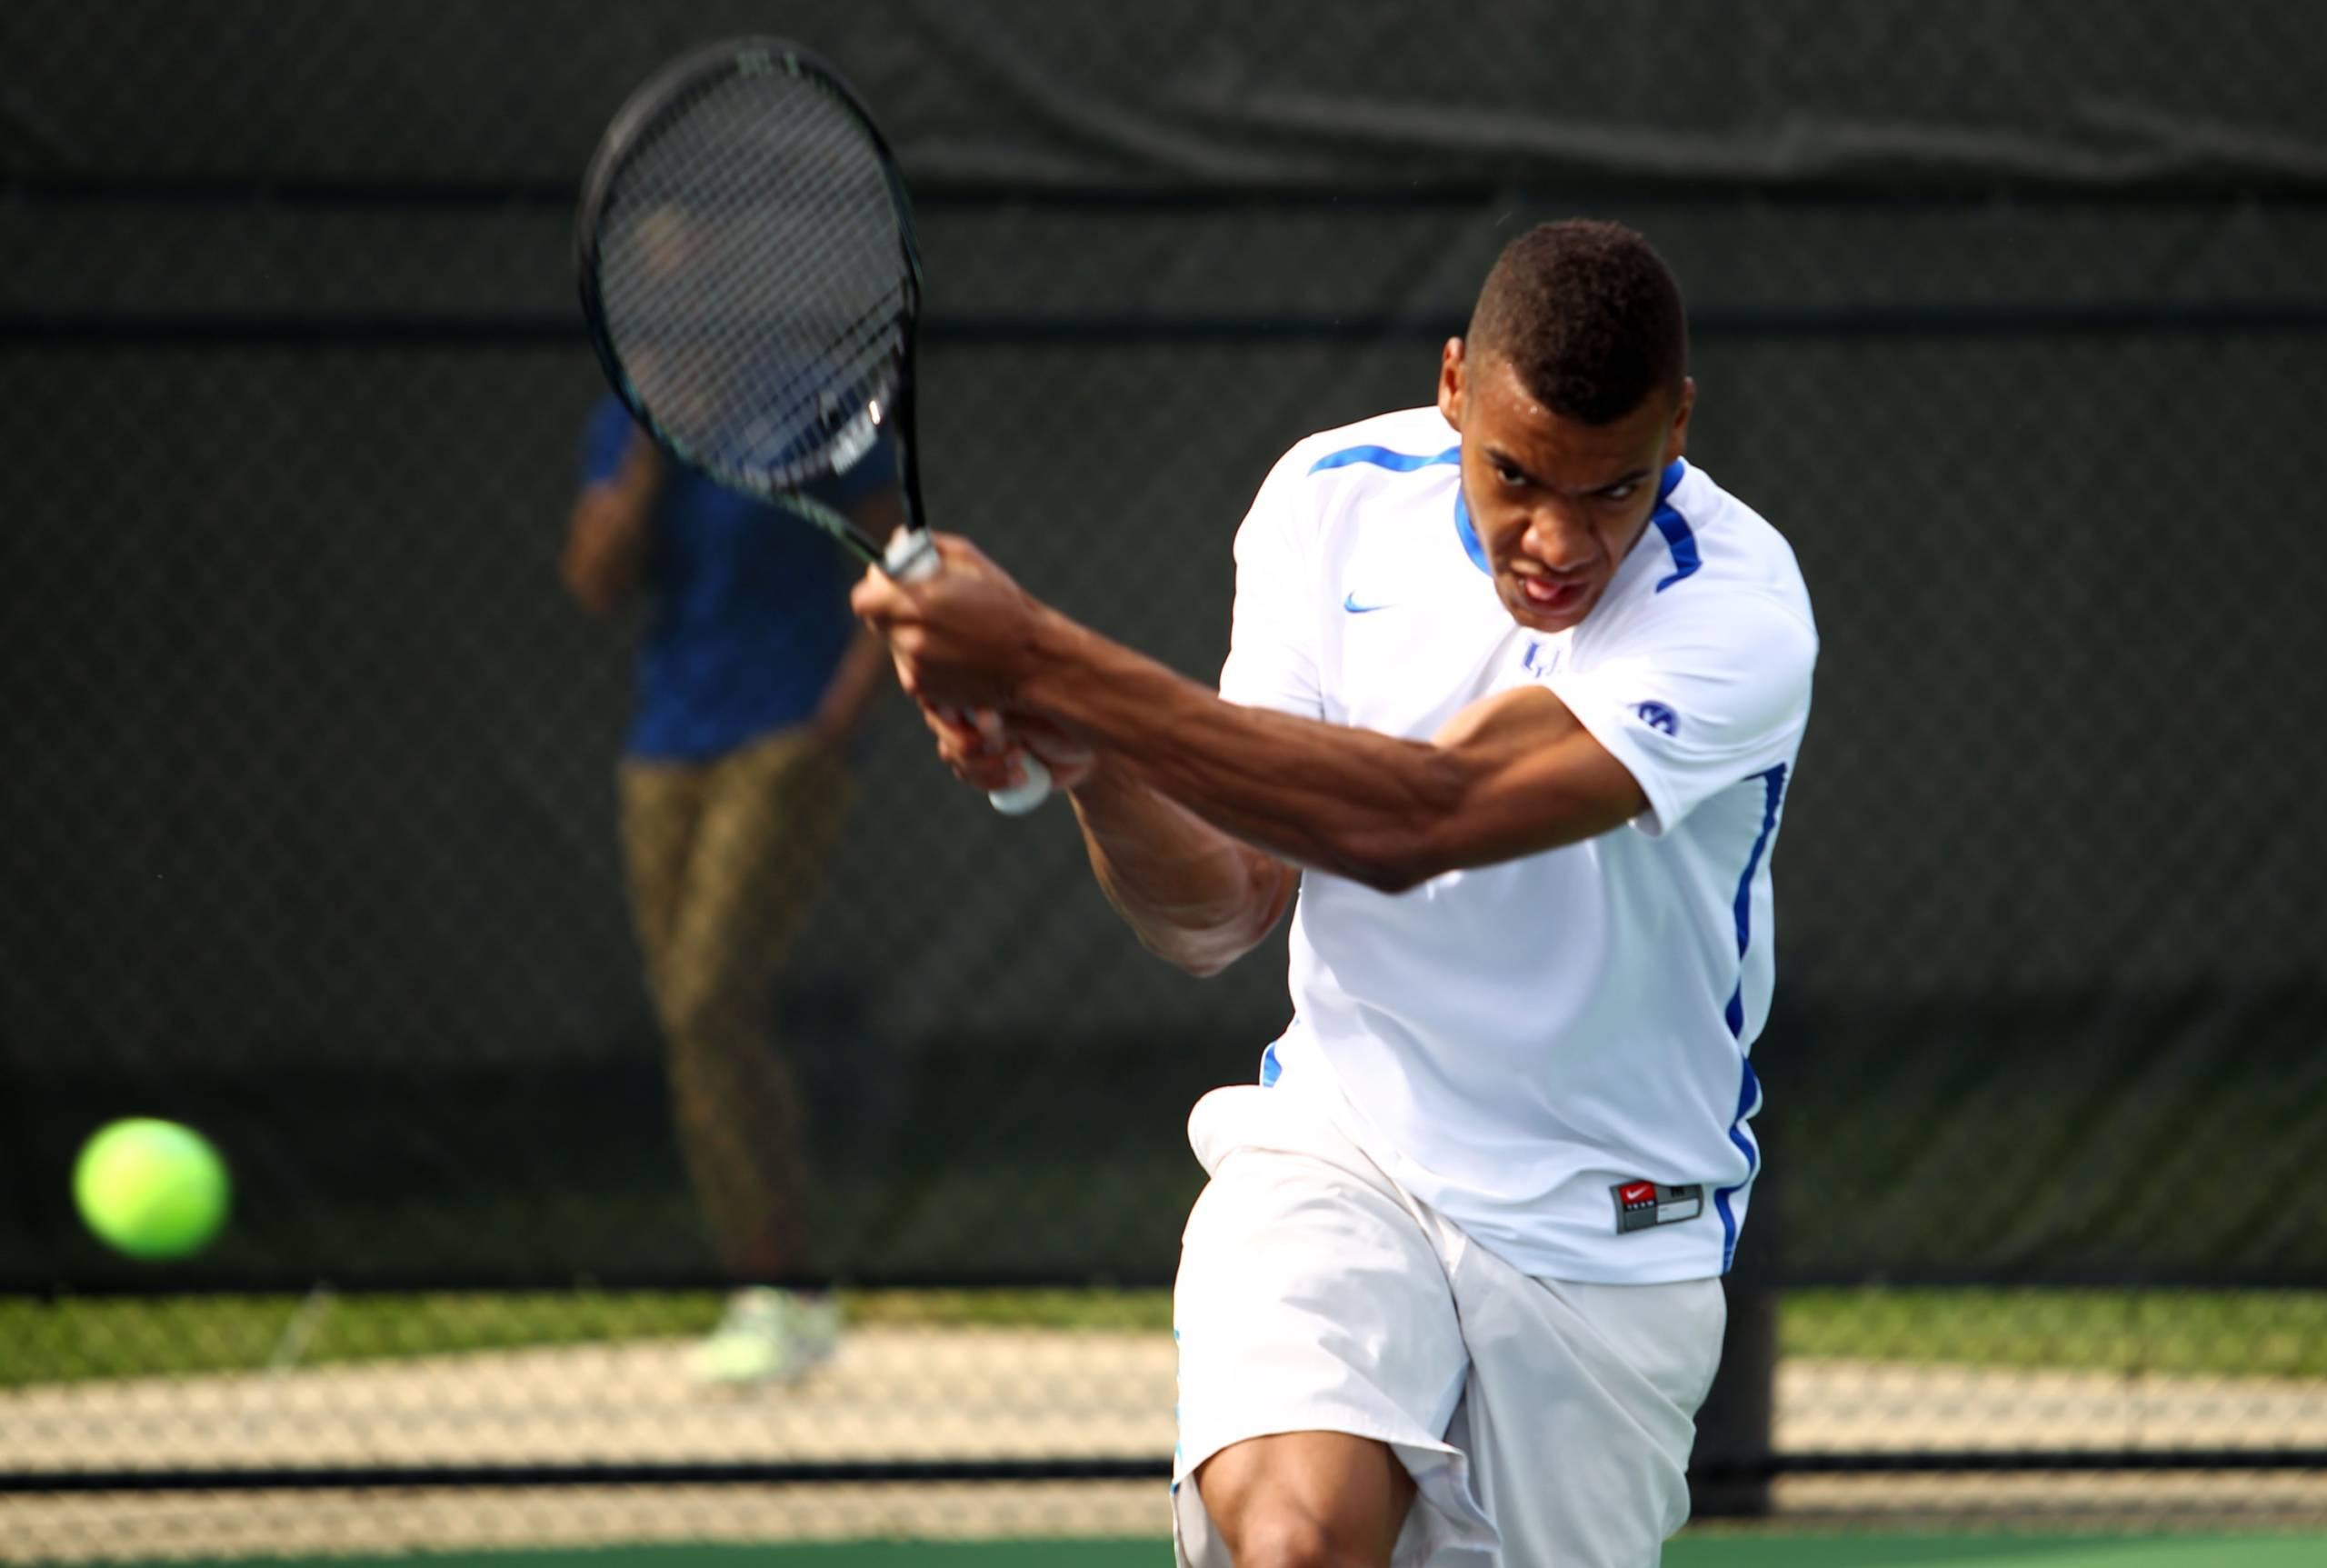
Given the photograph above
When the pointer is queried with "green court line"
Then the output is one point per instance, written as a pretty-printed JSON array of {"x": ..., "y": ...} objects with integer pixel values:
[{"x": 1713, "y": 1551}]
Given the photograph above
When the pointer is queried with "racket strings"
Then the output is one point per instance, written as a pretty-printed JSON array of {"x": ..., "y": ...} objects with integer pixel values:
[
  {"x": 752, "y": 274},
  {"x": 858, "y": 356}
]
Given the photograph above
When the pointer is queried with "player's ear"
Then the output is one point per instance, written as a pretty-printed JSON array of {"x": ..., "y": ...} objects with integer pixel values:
[
  {"x": 1450, "y": 382},
  {"x": 1676, "y": 444}
]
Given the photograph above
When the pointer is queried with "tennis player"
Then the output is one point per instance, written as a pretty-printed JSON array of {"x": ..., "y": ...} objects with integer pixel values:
[{"x": 1513, "y": 704}]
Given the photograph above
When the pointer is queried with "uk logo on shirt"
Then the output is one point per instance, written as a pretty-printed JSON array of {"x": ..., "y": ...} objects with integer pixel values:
[
  {"x": 1657, "y": 716},
  {"x": 1541, "y": 660}
]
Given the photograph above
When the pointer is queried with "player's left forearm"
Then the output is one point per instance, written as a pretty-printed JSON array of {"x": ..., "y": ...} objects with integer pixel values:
[
  {"x": 1515, "y": 773},
  {"x": 1350, "y": 802}
]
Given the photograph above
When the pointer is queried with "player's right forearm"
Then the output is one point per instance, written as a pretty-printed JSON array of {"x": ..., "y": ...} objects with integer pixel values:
[{"x": 1195, "y": 896}]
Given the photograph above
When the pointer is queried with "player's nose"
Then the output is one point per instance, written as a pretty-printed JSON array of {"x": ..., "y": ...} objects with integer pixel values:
[{"x": 1558, "y": 539}]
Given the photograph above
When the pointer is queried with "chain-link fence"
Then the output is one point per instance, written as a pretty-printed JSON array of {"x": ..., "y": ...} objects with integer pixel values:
[{"x": 2006, "y": 314}]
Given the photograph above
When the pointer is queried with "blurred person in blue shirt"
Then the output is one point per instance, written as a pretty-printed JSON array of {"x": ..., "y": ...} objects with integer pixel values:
[{"x": 751, "y": 679}]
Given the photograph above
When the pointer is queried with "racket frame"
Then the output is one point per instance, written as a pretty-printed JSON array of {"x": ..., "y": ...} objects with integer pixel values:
[
  {"x": 911, "y": 556},
  {"x": 657, "y": 96}
]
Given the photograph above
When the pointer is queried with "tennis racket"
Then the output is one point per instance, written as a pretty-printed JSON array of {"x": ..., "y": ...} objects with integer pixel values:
[{"x": 748, "y": 275}]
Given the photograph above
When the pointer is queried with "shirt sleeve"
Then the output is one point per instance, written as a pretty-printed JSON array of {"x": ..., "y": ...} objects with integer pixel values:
[
  {"x": 605, "y": 441},
  {"x": 1691, "y": 703},
  {"x": 1273, "y": 634}
]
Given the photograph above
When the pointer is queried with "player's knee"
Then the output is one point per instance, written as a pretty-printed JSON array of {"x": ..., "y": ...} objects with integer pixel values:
[
  {"x": 706, "y": 1008},
  {"x": 1285, "y": 1538}
]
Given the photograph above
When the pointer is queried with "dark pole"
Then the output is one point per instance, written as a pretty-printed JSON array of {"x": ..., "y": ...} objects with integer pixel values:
[{"x": 1729, "y": 1475}]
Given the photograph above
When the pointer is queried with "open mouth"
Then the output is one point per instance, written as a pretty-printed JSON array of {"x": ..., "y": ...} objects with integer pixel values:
[{"x": 1549, "y": 598}]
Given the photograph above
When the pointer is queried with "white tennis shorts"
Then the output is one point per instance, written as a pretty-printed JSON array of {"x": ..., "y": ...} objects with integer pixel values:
[{"x": 1547, "y": 1424}]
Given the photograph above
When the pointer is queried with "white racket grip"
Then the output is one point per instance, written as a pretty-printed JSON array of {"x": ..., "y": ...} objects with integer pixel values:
[
  {"x": 911, "y": 557},
  {"x": 1027, "y": 792}
]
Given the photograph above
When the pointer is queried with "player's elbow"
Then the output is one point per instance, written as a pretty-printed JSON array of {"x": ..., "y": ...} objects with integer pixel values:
[
  {"x": 1200, "y": 954},
  {"x": 1401, "y": 858},
  {"x": 1198, "y": 965},
  {"x": 595, "y": 600},
  {"x": 591, "y": 584},
  {"x": 1400, "y": 849},
  {"x": 1202, "y": 939},
  {"x": 1389, "y": 870}
]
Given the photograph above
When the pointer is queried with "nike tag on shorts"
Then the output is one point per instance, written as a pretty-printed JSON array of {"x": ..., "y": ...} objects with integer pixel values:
[{"x": 1642, "y": 1204}]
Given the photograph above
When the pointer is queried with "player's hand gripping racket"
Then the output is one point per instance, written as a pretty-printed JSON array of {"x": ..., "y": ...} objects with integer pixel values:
[{"x": 750, "y": 281}]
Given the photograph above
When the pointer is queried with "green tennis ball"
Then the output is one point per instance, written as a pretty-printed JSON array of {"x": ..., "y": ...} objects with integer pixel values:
[{"x": 149, "y": 1188}]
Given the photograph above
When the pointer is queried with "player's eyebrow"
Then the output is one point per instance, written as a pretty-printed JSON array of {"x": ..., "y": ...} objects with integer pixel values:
[
  {"x": 1637, "y": 477},
  {"x": 1497, "y": 455}
]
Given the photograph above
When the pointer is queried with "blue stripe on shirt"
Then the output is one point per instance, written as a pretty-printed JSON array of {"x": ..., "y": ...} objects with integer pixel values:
[
  {"x": 1677, "y": 537},
  {"x": 1749, "y": 1087},
  {"x": 1383, "y": 457},
  {"x": 1406, "y": 462},
  {"x": 1468, "y": 534}
]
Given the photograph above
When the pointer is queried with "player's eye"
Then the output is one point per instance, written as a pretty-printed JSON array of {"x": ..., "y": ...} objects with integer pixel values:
[
  {"x": 1618, "y": 492},
  {"x": 1509, "y": 473}
]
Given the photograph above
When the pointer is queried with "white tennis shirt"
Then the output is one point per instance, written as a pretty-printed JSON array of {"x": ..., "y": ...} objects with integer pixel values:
[{"x": 1552, "y": 1051}]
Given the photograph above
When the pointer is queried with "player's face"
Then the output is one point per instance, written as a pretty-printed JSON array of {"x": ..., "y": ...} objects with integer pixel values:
[{"x": 1557, "y": 503}]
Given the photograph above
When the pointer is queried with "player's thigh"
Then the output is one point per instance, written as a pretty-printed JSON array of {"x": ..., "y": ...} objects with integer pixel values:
[
  {"x": 770, "y": 813},
  {"x": 1580, "y": 1415},
  {"x": 1309, "y": 1297},
  {"x": 1311, "y": 1300},
  {"x": 660, "y": 805},
  {"x": 1306, "y": 1497},
  {"x": 763, "y": 829}
]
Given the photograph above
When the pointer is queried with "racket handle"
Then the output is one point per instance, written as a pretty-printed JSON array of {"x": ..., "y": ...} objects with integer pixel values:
[
  {"x": 1029, "y": 792},
  {"x": 913, "y": 558},
  {"x": 912, "y": 555}
]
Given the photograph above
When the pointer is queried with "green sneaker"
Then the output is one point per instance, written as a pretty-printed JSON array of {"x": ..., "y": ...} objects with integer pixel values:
[
  {"x": 816, "y": 1328},
  {"x": 767, "y": 1336}
]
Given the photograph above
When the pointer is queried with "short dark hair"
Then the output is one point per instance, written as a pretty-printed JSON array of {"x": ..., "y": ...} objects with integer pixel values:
[{"x": 1588, "y": 315}]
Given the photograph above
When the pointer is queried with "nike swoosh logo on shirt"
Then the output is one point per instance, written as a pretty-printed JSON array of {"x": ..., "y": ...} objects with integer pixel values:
[{"x": 1354, "y": 608}]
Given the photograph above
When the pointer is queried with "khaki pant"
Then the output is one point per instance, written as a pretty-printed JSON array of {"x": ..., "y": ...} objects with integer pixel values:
[{"x": 723, "y": 858}]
